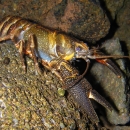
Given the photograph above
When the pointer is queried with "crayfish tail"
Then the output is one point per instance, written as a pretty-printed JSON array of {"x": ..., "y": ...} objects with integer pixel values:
[{"x": 97, "y": 97}]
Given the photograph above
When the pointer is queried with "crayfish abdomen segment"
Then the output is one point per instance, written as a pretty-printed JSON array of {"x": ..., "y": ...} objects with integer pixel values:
[{"x": 49, "y": 41}]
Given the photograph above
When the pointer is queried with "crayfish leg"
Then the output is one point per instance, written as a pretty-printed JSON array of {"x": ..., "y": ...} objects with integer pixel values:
[
  {"x": 20, "y": 44},
  {"x": 28, "y": 49},
  {"x": 32, "y": 46},
  {"x": 4, "y": 38},
  {"x": 53, "y": 69},
  {"x": 97, "y": 97}
]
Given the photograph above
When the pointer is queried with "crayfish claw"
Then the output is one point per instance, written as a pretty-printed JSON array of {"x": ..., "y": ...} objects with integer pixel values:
[
  {"x": 79, "y": 95},
  {"x": 111, "y": 66},
  {"x": 97, "y": 97},
  {"x": 105, "y": 59}
]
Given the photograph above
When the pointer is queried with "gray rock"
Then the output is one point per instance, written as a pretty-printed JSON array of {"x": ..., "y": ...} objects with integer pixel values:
[{"x": 114, "y": 89}]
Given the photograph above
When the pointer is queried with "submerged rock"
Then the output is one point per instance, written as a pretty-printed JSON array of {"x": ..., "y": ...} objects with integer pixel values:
[
  {"x": 114, "y": 89},
  {"x": 29, "y": 101},
  {"x": 84, "y": 19}
]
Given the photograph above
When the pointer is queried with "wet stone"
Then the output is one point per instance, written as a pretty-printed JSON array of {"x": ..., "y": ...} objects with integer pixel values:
[
  {"x": 114, "y": 89},
  {"x": 6, "y": 61},
  {"x": 78, "y": 18},
  {"x": 29, "y": 102},
  {"x": 33, "y": 100}
]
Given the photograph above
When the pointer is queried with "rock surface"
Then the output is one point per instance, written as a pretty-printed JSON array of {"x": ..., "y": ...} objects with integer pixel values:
[
  {"x": 123, "y": 20},
  {"x": 31, "y": 101},
  {"x": 114, "y": 89},
  {"x": 84, "y": 19},
  {"x": 112, "y": 7}
]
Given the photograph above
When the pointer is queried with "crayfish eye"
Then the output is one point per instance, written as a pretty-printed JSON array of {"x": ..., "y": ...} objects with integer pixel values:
[{"x": 78, "y": 48}]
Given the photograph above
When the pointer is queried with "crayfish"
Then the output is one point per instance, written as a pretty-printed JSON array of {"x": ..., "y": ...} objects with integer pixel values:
[
  {"x": 56, "y": 51},
  {"x": 81, "y": 90}
]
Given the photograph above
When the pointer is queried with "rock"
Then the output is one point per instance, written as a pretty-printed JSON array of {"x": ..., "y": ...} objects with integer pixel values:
[
  {"x": 123, "y": 34},
  {"x": 123, "y": 15},
  {"x": 29, "y": 101},
  {"x": 84, "y": 19},
  {"x": 112, "y": 7},
  {"x": 123, "y": 31},
  {"x": 121, "y": 128},
  {"x": 79, "y": 18},
  {"x": 114, "y": 89}
]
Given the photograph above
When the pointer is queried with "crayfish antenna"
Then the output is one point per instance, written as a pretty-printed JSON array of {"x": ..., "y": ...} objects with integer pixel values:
[
  {"x": 103, "y": 59},
  {"x": 102, "y": 56}
]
